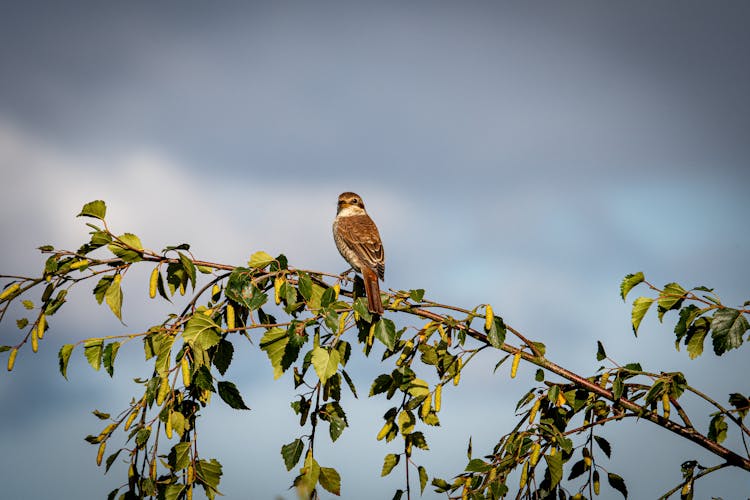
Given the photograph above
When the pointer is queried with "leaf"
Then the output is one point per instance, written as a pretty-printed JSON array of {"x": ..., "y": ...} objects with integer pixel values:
[
  {"x": 304, "y": 285},
  {"x": 554, "y": 465},
  {"x": 101, "y": 288},
  {"x": 63, "y": 357},
  {"x": 381, "y": 384},
  {"x": 670, "y": 298},
  {"x": 350, "y": 383},
  {"x": 96, "y": 209},
  {"x": 201, "y": 332},
  {"x": 100, "y": 415},
  {"x": 92, "y": 349},
  {"x": 385, "y": 331},
  {"x": 604, "y": 445},
  {"x": 179, "y": 458},
  {"x": 417, "y": 296},
  {"x": 477, "y": 465},
  {"x": 259, "y": 260},
  {"x": 111, "y": 459},
  {"x": 274, "y": 342},
  {"x": 110, "y": 352},
  {"x": 128, "y": 247},
  {"x": 113, "y": 296},
  {"x": 740, "y": 402},
  {"x": 188, "y": 266},
  {"x": 223, "y": 356},
  {"x": 600, "y": 352},
  {"x": 640, "y": 307},
  {"x": 330, "y": 480},
  {"x": 728, "y": 326},
  {"x": 173, "y": 491},
  {"x": 325, "y": 363},
  {"x": 696, "y": 336},
  {"x": 717, "y": 429},
  {"x": 578, "y": 468},
  {"x": 629, "y": 282},
  {"x": 422, "y": 478},
  {"x": 231, "y": 395},
  {"x": 617, "y": 483},
  {"x": 496, "y": 335},
  {"x": 391, "y": 461},
  {"x": 291, "y": 453},
  {"x": 209, "y": 471},
  {"x": 203, "y": 379}
]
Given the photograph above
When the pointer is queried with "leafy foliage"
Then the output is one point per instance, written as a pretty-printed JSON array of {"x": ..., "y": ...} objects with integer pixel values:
[{"x": 556, "y": 450}]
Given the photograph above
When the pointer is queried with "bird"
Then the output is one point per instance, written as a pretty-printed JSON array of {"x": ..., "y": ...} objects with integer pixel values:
[{"x": 358, "y": 241}]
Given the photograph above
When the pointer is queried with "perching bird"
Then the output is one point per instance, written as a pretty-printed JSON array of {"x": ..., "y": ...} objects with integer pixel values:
[{"x": 358, "y": 241}]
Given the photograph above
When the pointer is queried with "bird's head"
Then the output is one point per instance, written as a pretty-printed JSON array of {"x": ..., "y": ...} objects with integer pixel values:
[{"x": 350, "y": 203}]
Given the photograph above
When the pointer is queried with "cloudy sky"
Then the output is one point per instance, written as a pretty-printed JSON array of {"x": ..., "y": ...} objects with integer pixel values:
[{"x": 527, "y": 154}]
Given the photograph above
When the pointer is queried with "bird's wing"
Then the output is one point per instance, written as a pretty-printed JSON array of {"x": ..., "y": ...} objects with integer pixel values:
[{"x": 361, "y": 235}]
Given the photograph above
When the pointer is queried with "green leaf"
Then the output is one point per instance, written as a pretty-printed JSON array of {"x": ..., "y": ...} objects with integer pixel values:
[
  {"x": 259, "y": 260},
  {"x": 100, "y": 415},
  {"x": 417, "y": 296},
  {"x": 142, "y": 436},
  {"x": 188, "y": 266},
  {"x": 201, "y": 332},
  {"x": 391, "y": 461},
  {"x": 304, "y": 285},
  {"x": 554, "y": 465},
  {"x": 717, "y": 429},
  {"x": 600, "y": 352},
  {"x": 113, "y": 296},
  {"x": 385, "y": 331},
  {"x": 350, "y": 383},
  {"x": 670, "y": 298},
  {"x": 604, "y": 445},
  {"x": 101, "y": 288},
  {"x": 422, "y": 478},
  {"x": 381, "y": 384},
  {"x": 629, "y": 282},
  {"x": 63, "y": 357},
  {"x": 111, "y": 459},
  {"x": 296, "y": 340},
  {"x": 578, "y": 468},
  {"x": 477, "y": 465},
  {"x": 173, "y": 491},
  {"x": 128, "y": 247},
  {"x": 209, "y": 473},
  {"x": 96, "y": 209},
  {"x": 180, "y": 456},
  {"x": 92, "y": 349},
  {"x": 728, "y": 326},
  {"x": 203, "y": 379},
  {"x": 617, "y": 483},
  {"x": 696, "y": 336},
  {"x": 418, "y": 439},
  {"x": 325, "y": 363},
  {"x": 291, "y": 453},
  {"x": 640, "y": 307},
  {"x": 110, "y": 352},
  {"x": 330, "y": 480},
  {"x": 178, "y": 422},
  {"x": 496, "y": 335},
  {"x": 223, "y": 356},
  {"x": 274, "y": 343},
  {"x": 231, "y": 395}
]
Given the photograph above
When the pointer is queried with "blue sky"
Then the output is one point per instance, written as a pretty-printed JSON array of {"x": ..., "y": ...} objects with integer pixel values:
[{"x": 526, "y": 154}]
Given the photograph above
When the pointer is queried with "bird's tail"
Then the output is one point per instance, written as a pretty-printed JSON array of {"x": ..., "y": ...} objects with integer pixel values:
[{"x": 372, "y": 290}]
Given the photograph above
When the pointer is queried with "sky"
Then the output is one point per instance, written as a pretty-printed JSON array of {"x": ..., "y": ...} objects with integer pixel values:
[{"x": 523, "y": 154}]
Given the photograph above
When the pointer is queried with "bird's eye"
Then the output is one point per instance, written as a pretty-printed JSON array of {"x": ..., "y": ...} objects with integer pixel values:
[{"x": 355, "y": 201}]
